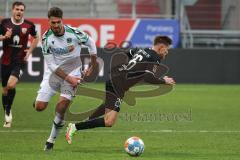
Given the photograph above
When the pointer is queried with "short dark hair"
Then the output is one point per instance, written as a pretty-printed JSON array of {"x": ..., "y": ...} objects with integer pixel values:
[
  {"x": 17, "y": 3},
  {"x": 162, "y": 39},
  {"x": 55, "y": 12}
]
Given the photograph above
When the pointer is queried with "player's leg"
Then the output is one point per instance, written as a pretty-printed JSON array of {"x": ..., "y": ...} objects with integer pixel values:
[
  {"x": 66, "y": 95},
  {"x": 5, "y": 74},
  {"x": 8, "y": 93},
  {"x": 110, "y": 117},
  {"x": 112, "y": 108},
  {"x": 16, "y": 73},
  {"x": 111, "y": 112},
  {"x": 11, "y": 85},
  {"x": 108, "y": 120},
  {"x": 45, "y": 93}
]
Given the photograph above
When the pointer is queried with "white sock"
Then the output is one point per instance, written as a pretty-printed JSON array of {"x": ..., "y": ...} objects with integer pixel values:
[{"x": 58, "y": 123}]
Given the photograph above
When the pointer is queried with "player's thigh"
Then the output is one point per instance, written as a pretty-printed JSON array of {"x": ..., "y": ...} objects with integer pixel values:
[
  {"x": 16, "y": 73},
  {"x": 45, "y": 92},
  {"x": 67, "y": 91}
]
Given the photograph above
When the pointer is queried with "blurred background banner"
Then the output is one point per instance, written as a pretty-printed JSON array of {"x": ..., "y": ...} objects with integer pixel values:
[
  {"x": 139, "y": 32},
  {"x": 147, "y": 29},
  {"x": 186, "y": 65}
]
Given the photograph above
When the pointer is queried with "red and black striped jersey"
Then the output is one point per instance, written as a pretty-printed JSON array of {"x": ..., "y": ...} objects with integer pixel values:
[{"x": 13, "y": 48}]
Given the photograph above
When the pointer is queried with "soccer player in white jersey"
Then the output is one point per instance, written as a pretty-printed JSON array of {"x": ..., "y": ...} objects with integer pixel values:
[{"x": 61, "y": 47}]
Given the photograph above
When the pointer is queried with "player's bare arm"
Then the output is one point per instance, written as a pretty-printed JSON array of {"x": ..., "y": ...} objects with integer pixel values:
[
  {"x": 31, "y": 48},
  {"x": 93, "y": 66}
]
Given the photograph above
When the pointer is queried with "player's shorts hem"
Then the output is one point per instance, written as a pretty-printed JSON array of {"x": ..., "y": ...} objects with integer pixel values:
[
  {"x": 44, "y": 96},
  {"x": 69, "y": 97}
]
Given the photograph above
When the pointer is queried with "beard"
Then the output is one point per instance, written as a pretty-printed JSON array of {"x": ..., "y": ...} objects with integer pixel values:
[{"x": 57, "y": 32}]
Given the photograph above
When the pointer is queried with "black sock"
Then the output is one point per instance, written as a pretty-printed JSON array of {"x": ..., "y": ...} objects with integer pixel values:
[
  {"x": 11, "y": 95},
  {"x": 99, "y": 122},
  {"x": 98, "y": 113},
  {"x": 4, "y": 101}
]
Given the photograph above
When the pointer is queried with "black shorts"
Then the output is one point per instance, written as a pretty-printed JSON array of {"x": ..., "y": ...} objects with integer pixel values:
[
  {"x": 114, "y": 96},
  {"x": 14, "y": 70}
]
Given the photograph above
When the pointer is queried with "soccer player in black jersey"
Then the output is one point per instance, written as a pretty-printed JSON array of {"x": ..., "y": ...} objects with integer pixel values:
[
  {"x": 14, "y": 32},
  {"x": 140, "y": 66}
]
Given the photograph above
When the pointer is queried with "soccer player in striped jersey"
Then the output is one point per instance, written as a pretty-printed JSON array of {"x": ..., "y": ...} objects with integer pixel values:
[{"x": 14, "y": 32}]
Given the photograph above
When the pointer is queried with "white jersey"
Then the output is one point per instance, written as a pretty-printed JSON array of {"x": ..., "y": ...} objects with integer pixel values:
[{"x": 64, "y": 51}]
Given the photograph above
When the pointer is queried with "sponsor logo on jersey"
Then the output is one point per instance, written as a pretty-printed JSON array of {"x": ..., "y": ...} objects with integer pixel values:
[
  {"x": 16, "y": 40},
  {"x": 60, "y": 51}
]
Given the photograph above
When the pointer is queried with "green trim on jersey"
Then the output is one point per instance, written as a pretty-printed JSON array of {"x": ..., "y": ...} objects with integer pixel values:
[
  {"x": 47, "y": 34},
  {"x": 81, "y": 36}
]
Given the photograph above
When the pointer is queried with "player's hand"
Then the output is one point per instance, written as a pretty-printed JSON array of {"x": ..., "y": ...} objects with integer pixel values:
[
  {"x": 87, "y": 72},
  {"x": 74, "y": 81},
  {"x": 169, "y": 80},
  {"x": 27, "y": 54},
  {"x": 8, "y": 34}
]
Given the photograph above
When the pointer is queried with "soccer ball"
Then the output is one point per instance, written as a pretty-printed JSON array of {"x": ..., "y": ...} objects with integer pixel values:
[{"x": 134, "y": 146}]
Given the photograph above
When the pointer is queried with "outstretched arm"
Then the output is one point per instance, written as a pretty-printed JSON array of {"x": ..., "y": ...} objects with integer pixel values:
[{"x": 93, "y": 56}]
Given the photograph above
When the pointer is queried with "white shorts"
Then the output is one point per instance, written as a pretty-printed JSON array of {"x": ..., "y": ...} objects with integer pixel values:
[{"x": 49, "y": 89}]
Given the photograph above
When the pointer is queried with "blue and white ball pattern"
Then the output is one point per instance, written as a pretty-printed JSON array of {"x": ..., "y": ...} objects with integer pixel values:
[{"x": 134, "y": 146}]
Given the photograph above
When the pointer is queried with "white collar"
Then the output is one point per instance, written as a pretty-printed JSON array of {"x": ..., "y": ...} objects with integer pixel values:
[{"x": 17, "y": 23}]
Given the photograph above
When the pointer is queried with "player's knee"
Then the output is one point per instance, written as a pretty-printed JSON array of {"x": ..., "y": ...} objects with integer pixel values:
[
  {"x": 11, "y": 86},
  {"x": 40, "y": 106}
]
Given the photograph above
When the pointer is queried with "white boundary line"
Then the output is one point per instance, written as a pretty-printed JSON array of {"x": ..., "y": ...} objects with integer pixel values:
[{"x": 131, "y": 131}]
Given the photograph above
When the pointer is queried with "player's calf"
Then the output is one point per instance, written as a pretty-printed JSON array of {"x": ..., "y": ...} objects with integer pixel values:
[{"x": 110, "y": 117}]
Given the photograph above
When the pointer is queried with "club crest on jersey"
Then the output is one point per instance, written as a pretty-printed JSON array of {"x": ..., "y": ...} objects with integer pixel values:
[
  {"x": 69, "y": 40},
  {"x": 24, "y": 30}
]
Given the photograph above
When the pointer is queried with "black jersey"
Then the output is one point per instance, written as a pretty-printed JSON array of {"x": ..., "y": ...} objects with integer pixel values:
[
  {"x": 140, "y": 66},
  {"x": 140, "y": 61},
  {"x": 13, "y": 48}
]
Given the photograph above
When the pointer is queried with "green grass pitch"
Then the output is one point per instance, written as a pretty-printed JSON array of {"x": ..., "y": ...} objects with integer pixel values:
[{"x": 190, "y": 122}]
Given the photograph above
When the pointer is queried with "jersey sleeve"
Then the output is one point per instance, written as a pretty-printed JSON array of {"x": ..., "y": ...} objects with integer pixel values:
[
  {"x": 48, "y": 56},
  {"x": 81, "y": 36},
  {"x": 45, "y": 48},
  {"x": 85, "y": 39},
  {"x": 92, "y": 49},
  {"x": 33, "y": 31},
  {"x": 150, "y": 78}
]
